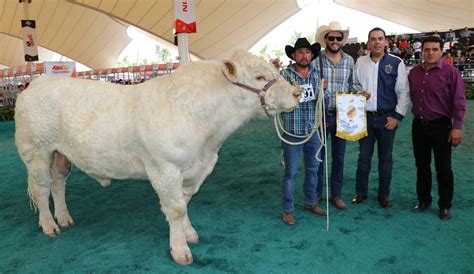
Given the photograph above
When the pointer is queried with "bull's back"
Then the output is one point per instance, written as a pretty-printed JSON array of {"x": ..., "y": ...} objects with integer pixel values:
[
  {"x": 84, "y": 120},
  {"x": 51, "y": 103}
]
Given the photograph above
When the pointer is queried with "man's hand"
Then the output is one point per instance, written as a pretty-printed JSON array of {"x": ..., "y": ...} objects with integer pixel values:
[
  {"x": 391, "y": 123},
  {"x": 455, "y": 137},
  {"x": 366, "y": 94},
  {"x": 277, "y": 63},
  {"x": 325, "y": 84}
]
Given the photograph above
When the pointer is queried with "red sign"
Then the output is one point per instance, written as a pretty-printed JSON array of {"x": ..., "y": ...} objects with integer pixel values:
[{"x": 185, "y": 16}]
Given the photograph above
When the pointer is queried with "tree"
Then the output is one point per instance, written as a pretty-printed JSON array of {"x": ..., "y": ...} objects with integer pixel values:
[
  {"x": 311, "y": 37},
  {"x": 124, "y": 62},
  {"x": 294, "y": 37},
  {"x": 263, "y": 53},
  {"x": 278, "y": 53},
  {"x": 162, "y": 54}
]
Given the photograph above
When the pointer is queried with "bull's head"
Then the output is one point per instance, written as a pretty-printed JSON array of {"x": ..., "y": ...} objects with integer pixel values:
[{"x": 256, "y": 75}]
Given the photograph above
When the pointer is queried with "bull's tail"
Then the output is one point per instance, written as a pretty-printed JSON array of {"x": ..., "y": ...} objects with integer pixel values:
[
  {"x": 33, "y": 200},
  {"x": 39, "y": 177}
]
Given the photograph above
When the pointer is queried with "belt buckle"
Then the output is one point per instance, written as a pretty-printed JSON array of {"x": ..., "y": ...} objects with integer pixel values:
[
  {"x": 423, "y": 122},
  {"x": 375, "y": 113}
]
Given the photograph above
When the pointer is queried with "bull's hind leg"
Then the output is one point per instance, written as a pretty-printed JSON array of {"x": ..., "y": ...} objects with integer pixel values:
[
  {"x": 59, "y": 172},
  {"x": 167, "y": 182},
  {"x": 39, "y": 188}
]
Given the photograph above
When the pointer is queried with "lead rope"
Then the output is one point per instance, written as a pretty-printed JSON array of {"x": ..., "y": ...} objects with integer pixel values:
[
  {"x": 323, "y": 143},
  {"x": 324, "y": 130}
]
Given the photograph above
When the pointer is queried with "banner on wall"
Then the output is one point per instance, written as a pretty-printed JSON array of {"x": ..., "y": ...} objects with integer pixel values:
[
  {"x": 185, "y": 16},
  {"x": 60, "y": 69},
  {"x": 30, "y": 44}
]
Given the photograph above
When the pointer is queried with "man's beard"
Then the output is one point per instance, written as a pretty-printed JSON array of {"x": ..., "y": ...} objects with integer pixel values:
[
  {"x": 333, "y": 51},
  {"x": 303, "y": 65}
]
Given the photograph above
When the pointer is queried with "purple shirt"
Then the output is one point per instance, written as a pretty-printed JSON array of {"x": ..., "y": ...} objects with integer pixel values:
[{"x": 437, "y": 92}]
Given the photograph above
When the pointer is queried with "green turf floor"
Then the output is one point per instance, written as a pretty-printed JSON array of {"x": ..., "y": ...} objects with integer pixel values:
[{"x": 237, "y": 214}]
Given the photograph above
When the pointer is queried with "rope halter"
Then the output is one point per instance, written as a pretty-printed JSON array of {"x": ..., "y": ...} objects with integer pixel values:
[{"x": 260, "y": 92}]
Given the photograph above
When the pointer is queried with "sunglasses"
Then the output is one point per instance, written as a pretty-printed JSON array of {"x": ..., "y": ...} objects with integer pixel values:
[{"x": 332, "y": 38}]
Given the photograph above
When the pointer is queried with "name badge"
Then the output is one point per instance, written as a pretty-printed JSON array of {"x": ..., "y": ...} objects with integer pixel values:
[{"x": 307, "y": 93}]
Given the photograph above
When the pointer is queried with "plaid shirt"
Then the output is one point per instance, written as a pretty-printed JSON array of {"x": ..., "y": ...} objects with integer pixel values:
[
  {"x": 301, "y": 120},
  {"x": 341, "y": 77}
]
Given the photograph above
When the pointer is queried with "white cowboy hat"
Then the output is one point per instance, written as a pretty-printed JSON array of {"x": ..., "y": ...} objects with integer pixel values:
[{"x": 333, "y": 26}]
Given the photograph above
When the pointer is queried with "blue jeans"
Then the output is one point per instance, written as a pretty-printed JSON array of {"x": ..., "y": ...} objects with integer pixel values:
[
  {"x": 384, "y": 138},
  {"x": 311, "y": 165},
  {"x": 338, "y": 149}
]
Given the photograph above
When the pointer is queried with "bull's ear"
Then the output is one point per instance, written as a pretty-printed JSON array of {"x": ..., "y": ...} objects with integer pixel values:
[{"x": 230, "y": 70}]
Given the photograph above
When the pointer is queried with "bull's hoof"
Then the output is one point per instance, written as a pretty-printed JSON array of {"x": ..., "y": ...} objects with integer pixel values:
[
  {"x": 183, "y": 258},
  {"x": 64, "y": 220},
  {"x": 51, "y": 231},
  {"x": 65, "y": 223},
  {"x": 48, "y": 225}
]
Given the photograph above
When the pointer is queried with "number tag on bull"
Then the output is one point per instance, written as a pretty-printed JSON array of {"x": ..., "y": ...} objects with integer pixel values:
[{"x": 307, "y": 93}]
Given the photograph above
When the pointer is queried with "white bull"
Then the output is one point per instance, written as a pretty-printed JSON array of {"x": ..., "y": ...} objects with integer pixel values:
[{"x": 167, "y": 130}]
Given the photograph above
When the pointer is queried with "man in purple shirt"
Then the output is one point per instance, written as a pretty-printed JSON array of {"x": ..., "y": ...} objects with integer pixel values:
[{"x": 439, "y": 104}]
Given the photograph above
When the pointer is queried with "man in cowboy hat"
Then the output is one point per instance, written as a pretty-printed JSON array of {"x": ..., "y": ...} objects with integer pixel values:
[
  {"x": 337, "y": 68},
  {"x": 299, "y": 123}
]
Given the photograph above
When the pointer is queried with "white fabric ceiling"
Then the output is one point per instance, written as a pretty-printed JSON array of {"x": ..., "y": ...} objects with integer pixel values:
[
  {"x": 422, "y": 15},
  {"x": 93, "y": 32}
]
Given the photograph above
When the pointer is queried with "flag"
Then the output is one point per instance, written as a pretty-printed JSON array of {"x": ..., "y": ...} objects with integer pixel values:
[{"x": 351, "y": 117}]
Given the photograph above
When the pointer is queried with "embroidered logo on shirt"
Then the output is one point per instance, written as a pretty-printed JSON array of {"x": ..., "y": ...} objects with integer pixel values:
[{"x": 388, "y": 69}]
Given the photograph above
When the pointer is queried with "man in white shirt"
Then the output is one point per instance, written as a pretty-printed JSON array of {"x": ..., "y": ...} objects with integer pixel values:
[
  {"x": 384, "y": 76},
  {"x": 417, "y": 50}
]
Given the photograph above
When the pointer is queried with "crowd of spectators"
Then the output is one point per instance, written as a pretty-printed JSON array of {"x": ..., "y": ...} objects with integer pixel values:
[
  {"x": 458, "y": 48},
  {"x": 127, "y": 82}
]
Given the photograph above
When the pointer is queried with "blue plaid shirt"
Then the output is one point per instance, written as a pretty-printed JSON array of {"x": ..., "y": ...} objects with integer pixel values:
[
  {"x": 342, "y": 78},
  {"x": 301, "y": 120}
]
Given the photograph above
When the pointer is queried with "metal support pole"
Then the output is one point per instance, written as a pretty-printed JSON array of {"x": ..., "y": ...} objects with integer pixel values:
[{"x": 183, "y": 48}]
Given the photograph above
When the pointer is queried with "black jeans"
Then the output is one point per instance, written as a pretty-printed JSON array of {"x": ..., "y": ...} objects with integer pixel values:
[{"x": 433, "y": 136}]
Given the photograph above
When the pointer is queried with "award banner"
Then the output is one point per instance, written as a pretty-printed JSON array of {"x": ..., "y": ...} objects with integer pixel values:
[
  {"x": 351, "y": 117},
  {"x": 185, "y": 16},
  {"x": 30, "y": 44}
]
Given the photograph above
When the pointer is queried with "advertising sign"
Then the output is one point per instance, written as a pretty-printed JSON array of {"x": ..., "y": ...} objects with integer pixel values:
[
  {"x": 30, "y": 44},
  {"x": 60, "y": 69}
]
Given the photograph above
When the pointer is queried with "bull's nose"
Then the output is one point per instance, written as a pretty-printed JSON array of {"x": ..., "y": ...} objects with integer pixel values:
[{"x": 297, "y": 94}]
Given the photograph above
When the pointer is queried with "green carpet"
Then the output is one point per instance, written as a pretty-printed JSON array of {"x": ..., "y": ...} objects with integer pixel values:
[{"x": 237, "y": 214}]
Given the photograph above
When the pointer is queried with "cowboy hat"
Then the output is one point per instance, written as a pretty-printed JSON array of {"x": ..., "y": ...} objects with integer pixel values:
[
  {"x": 333, "y": 26},
  {"x": 303, "y": 43}
]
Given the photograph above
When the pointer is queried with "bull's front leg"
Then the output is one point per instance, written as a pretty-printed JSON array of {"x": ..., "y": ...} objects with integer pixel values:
[
  {"x": 191, "y": 234},
  {"x": 167, "y": 182},
  {"x": 206, "y": 165}
]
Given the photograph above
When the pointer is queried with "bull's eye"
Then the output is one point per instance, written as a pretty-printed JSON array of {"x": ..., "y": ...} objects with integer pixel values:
[{"x": 260, "y": 77}]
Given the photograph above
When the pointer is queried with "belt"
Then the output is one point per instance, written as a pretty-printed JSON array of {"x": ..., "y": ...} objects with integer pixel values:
[
  {"x": 430, "y": 122},
  {"x": 382, "y": 112}
]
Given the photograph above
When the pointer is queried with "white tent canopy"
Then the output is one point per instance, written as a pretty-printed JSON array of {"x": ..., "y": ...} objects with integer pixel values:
[{"x": 93, "y": 32}]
